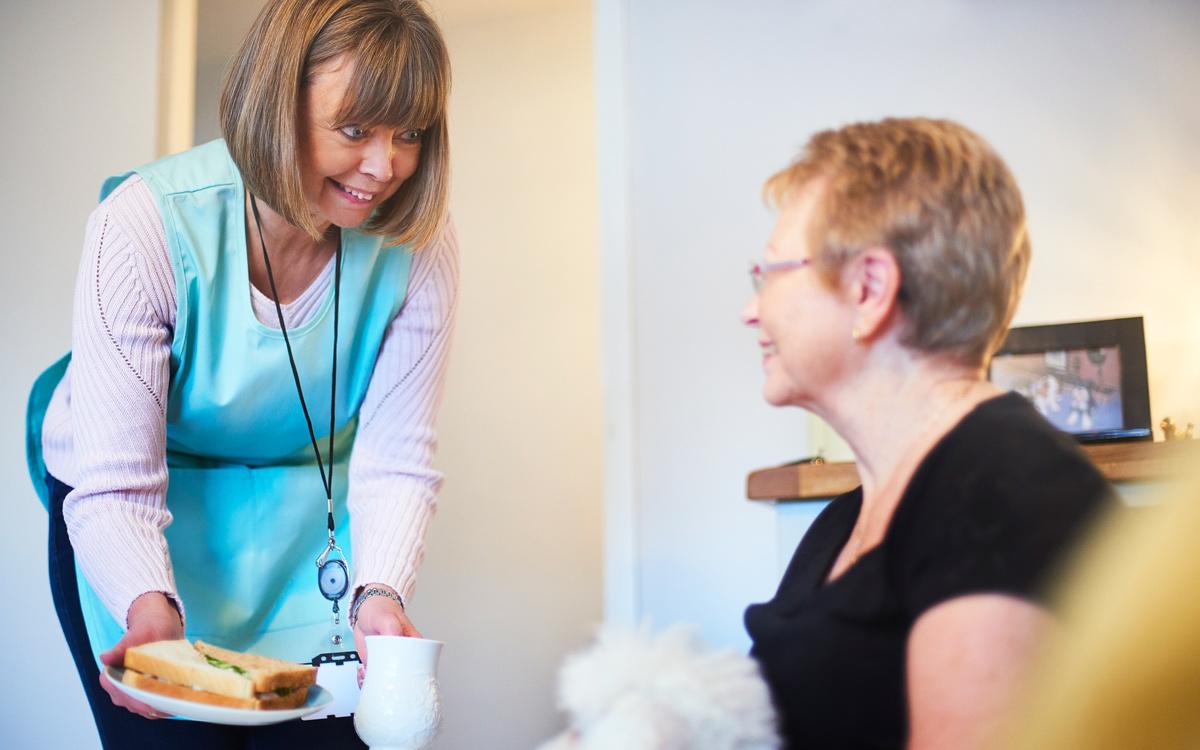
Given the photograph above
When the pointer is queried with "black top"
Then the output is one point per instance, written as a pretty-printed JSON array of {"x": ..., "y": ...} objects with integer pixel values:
[{"x": 992, "y": 508}]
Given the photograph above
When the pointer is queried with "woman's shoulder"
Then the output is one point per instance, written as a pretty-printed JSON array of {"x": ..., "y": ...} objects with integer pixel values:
[
  {"x": 442, "y": 245},
  {"x": 995, "y": 505},
  {"x": 126, "y": 244},
  {"x": 198, "y": 168},
  {"x": 132, "y": 210},
  {"x": 205, "y": 166},
  {"x": 1005, "y": 447},
  {"x": 1004, "y": 472},
  {"x": 436, "y": 262},
  {"x": 829, "y": 530}
]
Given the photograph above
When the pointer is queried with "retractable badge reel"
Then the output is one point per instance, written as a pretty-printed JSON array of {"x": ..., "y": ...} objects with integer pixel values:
[{"x": 333, "y": 580}]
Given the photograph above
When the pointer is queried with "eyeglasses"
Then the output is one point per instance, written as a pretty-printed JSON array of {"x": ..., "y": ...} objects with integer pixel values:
[{"x": 759, "y": 271}]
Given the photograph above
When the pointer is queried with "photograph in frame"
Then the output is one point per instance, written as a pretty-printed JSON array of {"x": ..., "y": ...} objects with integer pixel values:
[{"x": 1088, "y": 378}]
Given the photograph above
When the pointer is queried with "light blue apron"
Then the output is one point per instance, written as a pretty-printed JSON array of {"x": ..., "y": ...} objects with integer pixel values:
[{"x": 247, "y": 499}]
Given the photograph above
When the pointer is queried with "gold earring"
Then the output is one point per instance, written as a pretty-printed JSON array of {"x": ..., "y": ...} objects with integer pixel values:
[{"x": 856, "y": 334}]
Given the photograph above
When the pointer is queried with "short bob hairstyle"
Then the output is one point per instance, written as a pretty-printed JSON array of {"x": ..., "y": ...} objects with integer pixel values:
[
  {"x": 943, "y": 202},
  {"x": 401, "y": 79}
]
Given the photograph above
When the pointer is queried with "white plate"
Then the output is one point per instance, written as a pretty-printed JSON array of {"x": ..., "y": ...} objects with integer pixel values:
[{"x": 318, "y": 698}]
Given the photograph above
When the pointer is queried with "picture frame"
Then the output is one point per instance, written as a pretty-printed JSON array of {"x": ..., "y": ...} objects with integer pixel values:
[{"x": 1088, "y": 378}]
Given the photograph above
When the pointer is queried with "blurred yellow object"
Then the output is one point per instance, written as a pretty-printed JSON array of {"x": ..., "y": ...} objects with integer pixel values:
[{"x": 1123, "y": 671}]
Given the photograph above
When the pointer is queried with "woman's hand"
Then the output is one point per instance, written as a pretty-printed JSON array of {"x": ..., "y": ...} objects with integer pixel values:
[
  {"x": 379, "y": 615},
  {"x": 152, "y": 617}
]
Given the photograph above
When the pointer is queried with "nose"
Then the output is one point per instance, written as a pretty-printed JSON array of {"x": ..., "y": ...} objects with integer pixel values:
[
  {"x": 750, "y": 312},
  {"x": 377, "y": 159}
]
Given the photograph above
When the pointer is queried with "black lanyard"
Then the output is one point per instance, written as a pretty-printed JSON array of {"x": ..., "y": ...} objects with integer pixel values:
[
  {"x": 326, "y": 479},
  {"x": 332, "y": 574}
]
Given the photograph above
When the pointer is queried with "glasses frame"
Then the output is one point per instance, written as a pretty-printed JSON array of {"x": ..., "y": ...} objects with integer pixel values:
[{"x": 760, "y": 269}]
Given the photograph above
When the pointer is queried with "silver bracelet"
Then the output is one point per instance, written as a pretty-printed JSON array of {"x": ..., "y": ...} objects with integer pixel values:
[{"x": 367, "y": 593}]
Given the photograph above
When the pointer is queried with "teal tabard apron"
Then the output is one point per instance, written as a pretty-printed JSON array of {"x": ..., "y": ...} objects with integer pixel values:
[{"x": 248, "y": 505}]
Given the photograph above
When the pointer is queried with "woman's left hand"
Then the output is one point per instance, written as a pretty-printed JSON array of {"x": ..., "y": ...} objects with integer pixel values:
[{"x": 380, "y": 615}]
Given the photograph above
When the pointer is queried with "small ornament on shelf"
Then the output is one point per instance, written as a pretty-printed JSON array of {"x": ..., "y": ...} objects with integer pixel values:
[{"x": 1172, "y": 432}]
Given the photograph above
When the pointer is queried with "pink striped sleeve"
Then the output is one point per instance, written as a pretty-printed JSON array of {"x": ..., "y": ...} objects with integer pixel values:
[
  {"x": 121, "y": 338},
  {"x": 393, "y": 484}
]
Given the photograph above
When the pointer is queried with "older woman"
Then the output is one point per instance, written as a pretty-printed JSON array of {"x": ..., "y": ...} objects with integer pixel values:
[
  {"x": 197, "y": 447},
  {"x": 913, "y": 603}
]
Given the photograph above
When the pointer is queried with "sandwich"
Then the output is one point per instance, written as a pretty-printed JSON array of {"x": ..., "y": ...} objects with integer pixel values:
[{"x": 208, "y": 674}]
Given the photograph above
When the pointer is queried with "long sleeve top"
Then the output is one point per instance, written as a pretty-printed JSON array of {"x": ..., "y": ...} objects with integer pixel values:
[{"x": 105, "y": 429}]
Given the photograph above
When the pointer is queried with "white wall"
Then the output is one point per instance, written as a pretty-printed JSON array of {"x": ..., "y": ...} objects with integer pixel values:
[
  {"x": 220, "y": 26},
  {"x": 77, "y": 96},
  {"x": 512, "y": 580},
  {"x": 1094, "y": 106}
]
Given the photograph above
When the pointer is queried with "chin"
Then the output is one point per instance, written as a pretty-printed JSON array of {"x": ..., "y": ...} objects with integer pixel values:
[
  {"x": 786, "y": 393},
  {"x": 775, "y": 397},
  {"x": 348, "y": 221}
]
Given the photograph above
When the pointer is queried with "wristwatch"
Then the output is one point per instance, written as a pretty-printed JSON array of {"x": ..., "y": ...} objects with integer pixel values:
[{"x": 367, "y": 593}]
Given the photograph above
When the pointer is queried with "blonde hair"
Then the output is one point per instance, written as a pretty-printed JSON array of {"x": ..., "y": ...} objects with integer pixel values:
[
  {"x": 944, "y": 203},
  {"x": 401, "y": 79}
]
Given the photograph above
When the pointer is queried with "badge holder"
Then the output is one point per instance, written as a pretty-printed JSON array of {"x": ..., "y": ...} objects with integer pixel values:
[{"x": 338, "y": 673}]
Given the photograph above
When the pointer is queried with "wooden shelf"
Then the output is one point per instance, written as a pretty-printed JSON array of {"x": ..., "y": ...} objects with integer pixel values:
[{"x": 1119, "y": 462}]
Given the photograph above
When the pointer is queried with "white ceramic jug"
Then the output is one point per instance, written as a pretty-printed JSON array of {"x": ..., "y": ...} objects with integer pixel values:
[{"x": 399, "y": 708}]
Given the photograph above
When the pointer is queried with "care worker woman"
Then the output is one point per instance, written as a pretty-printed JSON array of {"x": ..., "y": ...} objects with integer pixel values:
[
  {"x": 914, "y": 603},
  {"x": 259, "y": 340}
]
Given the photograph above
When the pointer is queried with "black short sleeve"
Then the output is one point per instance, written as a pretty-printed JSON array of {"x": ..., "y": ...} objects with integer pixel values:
[{"x": 994, "y": 508}]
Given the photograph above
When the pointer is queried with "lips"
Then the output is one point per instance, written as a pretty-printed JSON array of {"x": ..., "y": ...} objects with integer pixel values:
[
  {"x": 768, "y": 351},
  {"x": 356, "y": 195}
]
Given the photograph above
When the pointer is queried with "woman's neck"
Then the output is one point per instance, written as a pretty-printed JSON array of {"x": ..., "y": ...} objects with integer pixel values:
[
  {"x": 296, "y": 258},
  {"x": 282, "y": 238},
  {"x": 893, "y": 412}
]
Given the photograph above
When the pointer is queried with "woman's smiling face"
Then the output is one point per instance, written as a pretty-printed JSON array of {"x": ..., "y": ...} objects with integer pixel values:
[
  {"x": 803, "y": 323},
  {"x": 348, "y": 170}
]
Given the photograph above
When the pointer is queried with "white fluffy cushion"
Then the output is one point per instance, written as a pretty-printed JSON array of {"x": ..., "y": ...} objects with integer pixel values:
[{"x": 636, "y": 691}]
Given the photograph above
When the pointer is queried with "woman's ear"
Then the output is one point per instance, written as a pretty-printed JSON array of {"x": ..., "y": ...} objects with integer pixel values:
[{"x": 875, "y": 279}]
